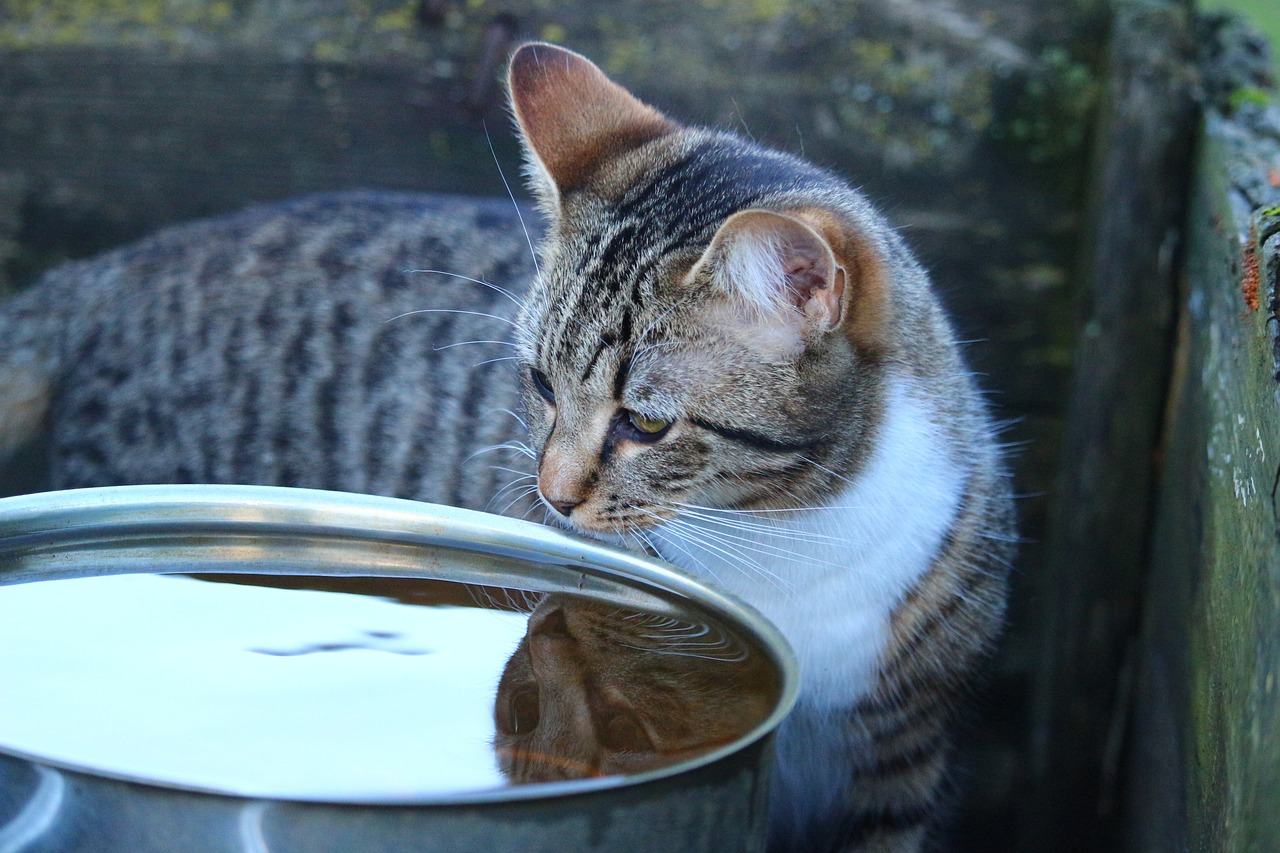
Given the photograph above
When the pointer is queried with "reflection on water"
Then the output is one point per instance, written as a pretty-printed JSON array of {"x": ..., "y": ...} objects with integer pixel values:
[
  {"x": 361, "y": 689},
  {"x": 593, "y": 690}
]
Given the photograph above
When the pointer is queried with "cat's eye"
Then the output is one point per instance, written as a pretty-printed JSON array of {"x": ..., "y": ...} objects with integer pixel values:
[
  {"x": 647, "y": 426},
  {"x": 521, "y": 713},
  {"x": 620, "y": 731},
  {"x": 542, "y": 385}
]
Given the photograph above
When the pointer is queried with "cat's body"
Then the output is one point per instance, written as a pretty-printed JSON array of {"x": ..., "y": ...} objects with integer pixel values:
[
  {"x": 275, "y": 347},
  {"x": 727, "y": 358}
]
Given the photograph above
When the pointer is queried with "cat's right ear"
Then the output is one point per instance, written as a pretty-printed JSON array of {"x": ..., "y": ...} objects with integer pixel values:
[
  {"x": 782, "y": 268},
  {"x": 572, "y": 117}
]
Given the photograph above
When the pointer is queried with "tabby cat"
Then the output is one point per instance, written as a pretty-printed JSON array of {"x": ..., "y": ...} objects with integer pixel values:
[{"x": 725, "y": 357}]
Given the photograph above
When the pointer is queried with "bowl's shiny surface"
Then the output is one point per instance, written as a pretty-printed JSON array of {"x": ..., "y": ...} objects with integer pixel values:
[{"x": 700, "y": 795}]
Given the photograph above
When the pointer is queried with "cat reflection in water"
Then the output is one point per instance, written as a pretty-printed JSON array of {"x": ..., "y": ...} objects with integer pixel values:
[{"x": 593, "y": 690}]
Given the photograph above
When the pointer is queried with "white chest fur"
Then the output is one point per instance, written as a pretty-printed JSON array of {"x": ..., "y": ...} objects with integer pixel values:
[{"x": 830, "y": 577}]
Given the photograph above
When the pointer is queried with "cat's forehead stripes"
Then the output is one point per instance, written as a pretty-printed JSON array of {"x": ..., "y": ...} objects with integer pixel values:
[
  {"x": 681, "y": 204},
  {"x": 608, "y": 283}
]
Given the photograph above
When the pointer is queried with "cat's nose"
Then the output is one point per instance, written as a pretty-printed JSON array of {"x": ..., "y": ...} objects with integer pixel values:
[{"x": 564, "y": 506}]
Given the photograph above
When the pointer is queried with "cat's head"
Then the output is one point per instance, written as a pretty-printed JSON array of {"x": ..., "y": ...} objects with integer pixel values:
[
  {"x": 594, "y": 691},
  {"x": 710, "y": 319}
]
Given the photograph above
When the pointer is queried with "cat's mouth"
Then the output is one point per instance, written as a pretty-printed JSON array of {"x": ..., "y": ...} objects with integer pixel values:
[{"x": 625, "y": 529}]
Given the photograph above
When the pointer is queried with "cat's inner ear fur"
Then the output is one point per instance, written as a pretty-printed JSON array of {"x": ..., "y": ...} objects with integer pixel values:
[
  {"x": 781, "y": 268},
  {"x": 572, "y": 117}
]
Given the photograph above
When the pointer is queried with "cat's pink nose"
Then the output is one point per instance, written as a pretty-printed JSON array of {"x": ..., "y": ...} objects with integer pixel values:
[{"x": 562, "y": 505}]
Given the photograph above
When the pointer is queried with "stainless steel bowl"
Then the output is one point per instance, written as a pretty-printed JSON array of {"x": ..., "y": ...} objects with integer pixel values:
[{"x": 715, "y": 801}]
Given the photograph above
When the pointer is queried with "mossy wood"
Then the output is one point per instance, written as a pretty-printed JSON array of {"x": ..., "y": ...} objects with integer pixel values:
[{"x": 1205, "y": 770}]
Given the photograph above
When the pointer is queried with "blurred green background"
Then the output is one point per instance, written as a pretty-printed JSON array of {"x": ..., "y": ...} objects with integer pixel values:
[{"x": 1265, "y": 15}]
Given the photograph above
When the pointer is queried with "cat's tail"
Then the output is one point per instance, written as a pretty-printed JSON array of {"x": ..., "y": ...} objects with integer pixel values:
[{"x": 31, "y": 332}]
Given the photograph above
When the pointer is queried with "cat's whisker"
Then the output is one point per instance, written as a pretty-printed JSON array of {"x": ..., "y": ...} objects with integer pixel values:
[
  {"x": 825, "y": 469},
  {"x": 495, "y": 360},
  {"x": 689, "y": 639},
  {"x": 503, "y": 492},
  {"x": 722, "y": 649},
  {"x": 507, "y": 293},
  {"x": 777, "y": 511},
  {"x": 501, "y": 600},
  {"x": 533, "y": 253},
  {"x": 518, "y": 419},
  {"x": 801, "y": 505},
  {"x": 522, "y": 479},
  {"x": 732, "y": 554},
  {"x": 468, "y": 343},
  {"x": 995, "y": 536},
  {"x": 682, "y": 630},
  {"x": 506, "y": 320},
  {"x": 780, "y": 528},
  {"x": 644, "y": 349},
  {"x": 481, "y": 596},
  {"x": 513, "y": 446},
  {"x": 774, "y": 530},
  {"x": 678, "y": 543},
  {"x": 677, "y": 651},
  {"x": 524, "y": 475},
  {"x": 651, "y": 548},
  {"x": 743, "y": 548},
  {"x": 509, "y": 488},
  {"x": 521, "y": 495},
  {"x": 654, "y": 323}
]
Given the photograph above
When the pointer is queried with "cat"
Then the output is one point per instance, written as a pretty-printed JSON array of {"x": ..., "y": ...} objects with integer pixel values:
[
  {"x": 723, "y": 356},
  {"x": 592, "y": 690}
]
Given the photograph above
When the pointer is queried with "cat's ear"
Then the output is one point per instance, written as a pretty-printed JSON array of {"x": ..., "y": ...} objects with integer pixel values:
[
  {"x": 572, "y": 117},
  {"x": 780, "y": 266}
]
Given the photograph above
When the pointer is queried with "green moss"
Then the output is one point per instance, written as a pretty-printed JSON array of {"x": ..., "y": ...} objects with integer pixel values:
[
  {"x": 1049, "y": 113},
  {"x": 397, "y": 20},
  {"x": 352, "y": 30},
  {"x": 1249, "y": 95}
]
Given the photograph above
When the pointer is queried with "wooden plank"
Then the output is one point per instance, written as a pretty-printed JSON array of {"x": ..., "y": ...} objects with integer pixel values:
[
  {"x": 1205, "y": 762},
  {"x": 1100, "y": 527}
]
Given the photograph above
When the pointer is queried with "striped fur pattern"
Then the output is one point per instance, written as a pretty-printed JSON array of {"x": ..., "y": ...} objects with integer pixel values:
[
  {"x": 285, "y": 345},
  {"x": 725, "y": 357}
]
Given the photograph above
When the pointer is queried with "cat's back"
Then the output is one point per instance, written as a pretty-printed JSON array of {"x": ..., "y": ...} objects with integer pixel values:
[{"x": 280, "y": 345}]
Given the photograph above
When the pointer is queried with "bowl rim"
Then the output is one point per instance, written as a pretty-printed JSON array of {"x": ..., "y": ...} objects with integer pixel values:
[{"x": 122, "y": 529}]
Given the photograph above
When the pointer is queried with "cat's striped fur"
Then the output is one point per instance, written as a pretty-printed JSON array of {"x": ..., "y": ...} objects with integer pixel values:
[
  {"x": 283, "y": 345},
  {"x": 727, "y": 357}
]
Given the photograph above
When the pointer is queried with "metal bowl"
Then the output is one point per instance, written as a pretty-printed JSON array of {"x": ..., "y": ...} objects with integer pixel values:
[{"x": 714, "y": 801}]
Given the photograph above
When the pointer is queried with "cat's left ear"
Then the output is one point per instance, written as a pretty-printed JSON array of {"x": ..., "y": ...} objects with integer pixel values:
[
  {"x": 572, "y": 117},
  {"x": 780, "y": 266}
]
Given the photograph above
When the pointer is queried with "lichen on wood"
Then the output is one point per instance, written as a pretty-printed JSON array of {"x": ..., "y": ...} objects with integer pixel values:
[{"x": 1205, "y": 769}]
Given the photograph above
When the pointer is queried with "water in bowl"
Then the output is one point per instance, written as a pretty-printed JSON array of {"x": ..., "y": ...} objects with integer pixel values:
[{"x": 362, "y": 689}]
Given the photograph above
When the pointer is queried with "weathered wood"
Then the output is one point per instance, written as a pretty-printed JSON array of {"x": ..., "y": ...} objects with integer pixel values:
[
  {"x": 1099, "y": 534},
  {"x": 1205, "y": 759}
]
